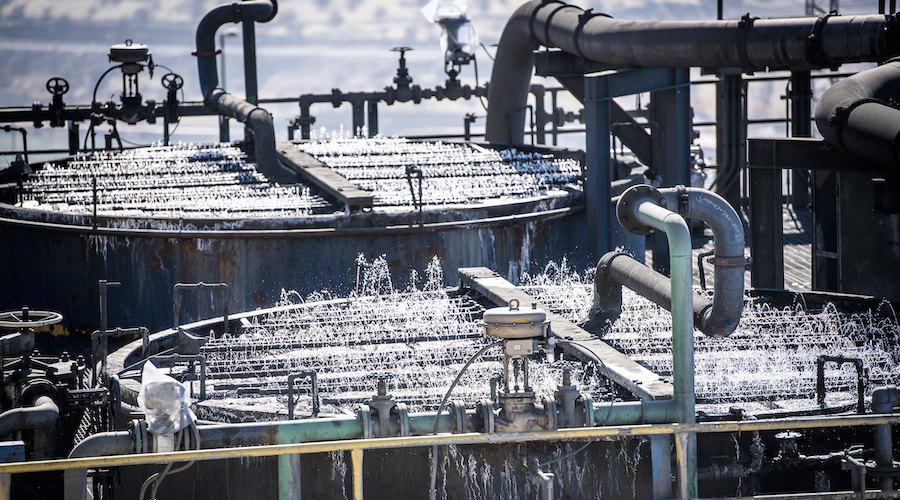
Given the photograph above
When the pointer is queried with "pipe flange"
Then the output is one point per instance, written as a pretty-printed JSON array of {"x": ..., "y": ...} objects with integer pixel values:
[
  {"x": 552, "y": 416},
  {"x": 626, "y": 209},
  {"x": 365, "y": 420},
  {"x": 587, "y": 405},
  {"x": 403, "y": 418},
  {"x": 485, "y": 408},
  {"x": 458, "y": 411}
]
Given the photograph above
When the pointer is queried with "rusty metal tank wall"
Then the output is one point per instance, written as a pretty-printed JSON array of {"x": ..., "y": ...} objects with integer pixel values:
[{"x": 55, "y": 261}]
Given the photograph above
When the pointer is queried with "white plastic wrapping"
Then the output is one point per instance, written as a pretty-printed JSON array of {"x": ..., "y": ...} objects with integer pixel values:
[
  {"x": 457, "y": 32},
  {"x": 165, "y": 401}
]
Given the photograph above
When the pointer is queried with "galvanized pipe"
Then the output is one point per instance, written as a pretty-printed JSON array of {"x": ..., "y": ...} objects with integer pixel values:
[
  {"x": 256, "y": 118},
  {"x": 858, "y": 115},
  {"x": 96, "y": 445},
  {"x": 650, "y": 214},
  {"x": 748, "y": 43},
  {"x": 720, "y": 319},
  {"x": 41, "y": 418},
  {"x": 717, "y": 318},
  {"x": 884, "y": 399}
]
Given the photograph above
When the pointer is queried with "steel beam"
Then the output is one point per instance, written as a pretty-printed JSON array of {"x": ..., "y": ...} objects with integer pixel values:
[
  {"x": 324, "y": 177},
  {"x": 616, "y": 366}
]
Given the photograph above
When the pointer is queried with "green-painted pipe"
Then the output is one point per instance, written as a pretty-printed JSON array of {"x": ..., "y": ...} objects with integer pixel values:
[{"x": 679, "y": 237}]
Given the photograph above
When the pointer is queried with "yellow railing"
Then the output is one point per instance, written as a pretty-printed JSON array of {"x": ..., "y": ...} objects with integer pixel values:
[{"x": 357, "y": 446}]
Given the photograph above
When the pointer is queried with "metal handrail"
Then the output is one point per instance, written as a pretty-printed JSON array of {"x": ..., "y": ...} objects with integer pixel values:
[{"x": 359, "y": 445}]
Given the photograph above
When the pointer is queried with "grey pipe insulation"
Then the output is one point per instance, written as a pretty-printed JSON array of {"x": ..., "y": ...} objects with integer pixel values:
[
  {"x": 42, "y": 418},
  {"x": 859, "y": 115},
  {"x": 257, "y": 119},
  {"x": 718, "y": 318},
  {"x": 749, "y": 43}
]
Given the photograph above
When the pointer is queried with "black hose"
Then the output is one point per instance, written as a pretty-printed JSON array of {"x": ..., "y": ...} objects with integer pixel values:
[{"x": 432, "y": 492}]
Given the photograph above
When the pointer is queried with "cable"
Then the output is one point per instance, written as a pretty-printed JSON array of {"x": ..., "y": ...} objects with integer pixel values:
[
  {"x": 480, "y": 99},
  {"x": 185, "y": 439},
  {"x": 564, "y": 457},
  {"x": 432, "y": 492},
  {"x": 484, "y": 47}
]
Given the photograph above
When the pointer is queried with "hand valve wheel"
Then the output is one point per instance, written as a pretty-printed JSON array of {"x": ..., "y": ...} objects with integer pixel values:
[
  {"x": 57, "y": 85},
  {"x": 172, "y": 81},
  {"x": 27, "y": 318}
]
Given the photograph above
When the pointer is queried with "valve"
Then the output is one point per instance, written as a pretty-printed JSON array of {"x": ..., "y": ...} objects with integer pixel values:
[
  {"x": 57, "y": 86},
  {"x": 173, "y": 82}
]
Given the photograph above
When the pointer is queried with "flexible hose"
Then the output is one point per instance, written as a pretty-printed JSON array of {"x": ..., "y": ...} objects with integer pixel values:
[{"x": 432, "y": 492}]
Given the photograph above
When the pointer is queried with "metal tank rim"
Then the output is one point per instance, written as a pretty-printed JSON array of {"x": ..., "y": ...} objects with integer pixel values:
[{"x": 129, "y": 354}]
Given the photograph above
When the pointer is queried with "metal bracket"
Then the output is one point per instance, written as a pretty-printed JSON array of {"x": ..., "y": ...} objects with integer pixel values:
[
  {"x": 552, "y": 417},
  {"x": 313, "y": 380},
  {"x": 841, "y": 360},
  {"x": 814, "y": 52},
  {"x": 587, "y": 405},
  {"x": 403, "y": 417},
  {"x": 486, "y": 409},
  {"x": 458, "y": 413},
  {"x": 176, "y": 299}
]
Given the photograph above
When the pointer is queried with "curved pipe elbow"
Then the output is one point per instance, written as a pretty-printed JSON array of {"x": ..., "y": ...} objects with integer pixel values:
[
  {"x": 260, "y": 11},
  {"x": 722, "y": 318},
  {"x": 884, "y": 399},
  {"x": 42, "y": 416},
  {"x": 104, "y": 443},
  {"x": 856, "y": 115}
]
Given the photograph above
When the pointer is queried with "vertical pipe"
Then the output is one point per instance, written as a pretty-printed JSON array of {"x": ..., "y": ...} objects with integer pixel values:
[
  {"x": 596, "y": 189},
  {"x": 661, "y": 466},
  {"x": 679, "y": 238},
  {"x": 5, "y": 483},
  {"x": 359, "y": 118},
  {"x": 801, "y": 126},
  {"x": 296, "y": 480},
  {"x": 731, "y": 132},
  {"x": 356, "y": 457},
  {"x": 372, "y": 119},
  {"x": 250, "y": 85},
  {"x": 73, "y": 137}
]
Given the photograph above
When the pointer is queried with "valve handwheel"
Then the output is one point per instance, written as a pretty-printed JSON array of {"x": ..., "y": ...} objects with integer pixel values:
[
  {"x": 172, "y": 81},
  {"x": 57, "y": 85},
  {"x": 27, "y": 318}
]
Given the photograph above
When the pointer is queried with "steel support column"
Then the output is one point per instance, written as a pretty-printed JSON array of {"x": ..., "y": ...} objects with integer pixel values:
[
  {"x": 801, "y": 126},
  {"x": 670, "y": 101},
  {"x": 731, "y": 135}
]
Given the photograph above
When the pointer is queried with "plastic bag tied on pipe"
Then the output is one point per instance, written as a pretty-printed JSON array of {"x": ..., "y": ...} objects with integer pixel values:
[
  {"x": 165, "y": 401},
  {"x": 458, "y": 36}
]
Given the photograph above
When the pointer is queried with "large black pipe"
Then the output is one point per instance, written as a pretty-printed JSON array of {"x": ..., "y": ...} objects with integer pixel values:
[
  {"x": 793, "y": 43},
  {"x": 42, "y": 418},
  {"x": 858, "y": 115},
  {"x": 256, "y": 118}
]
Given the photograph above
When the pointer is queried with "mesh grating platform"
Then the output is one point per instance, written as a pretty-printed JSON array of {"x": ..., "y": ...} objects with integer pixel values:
[
  {"x": 769, "y": 363},
  {"x": 167, "y": 181},
  {"x": 450, "y": 173}
]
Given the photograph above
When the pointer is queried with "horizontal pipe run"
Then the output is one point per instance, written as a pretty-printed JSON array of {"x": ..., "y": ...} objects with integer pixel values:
[
  {"x": 575, "y": 434},
  {"x": 747, "y": 43},
  {"x": 42, "y": 415}
]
